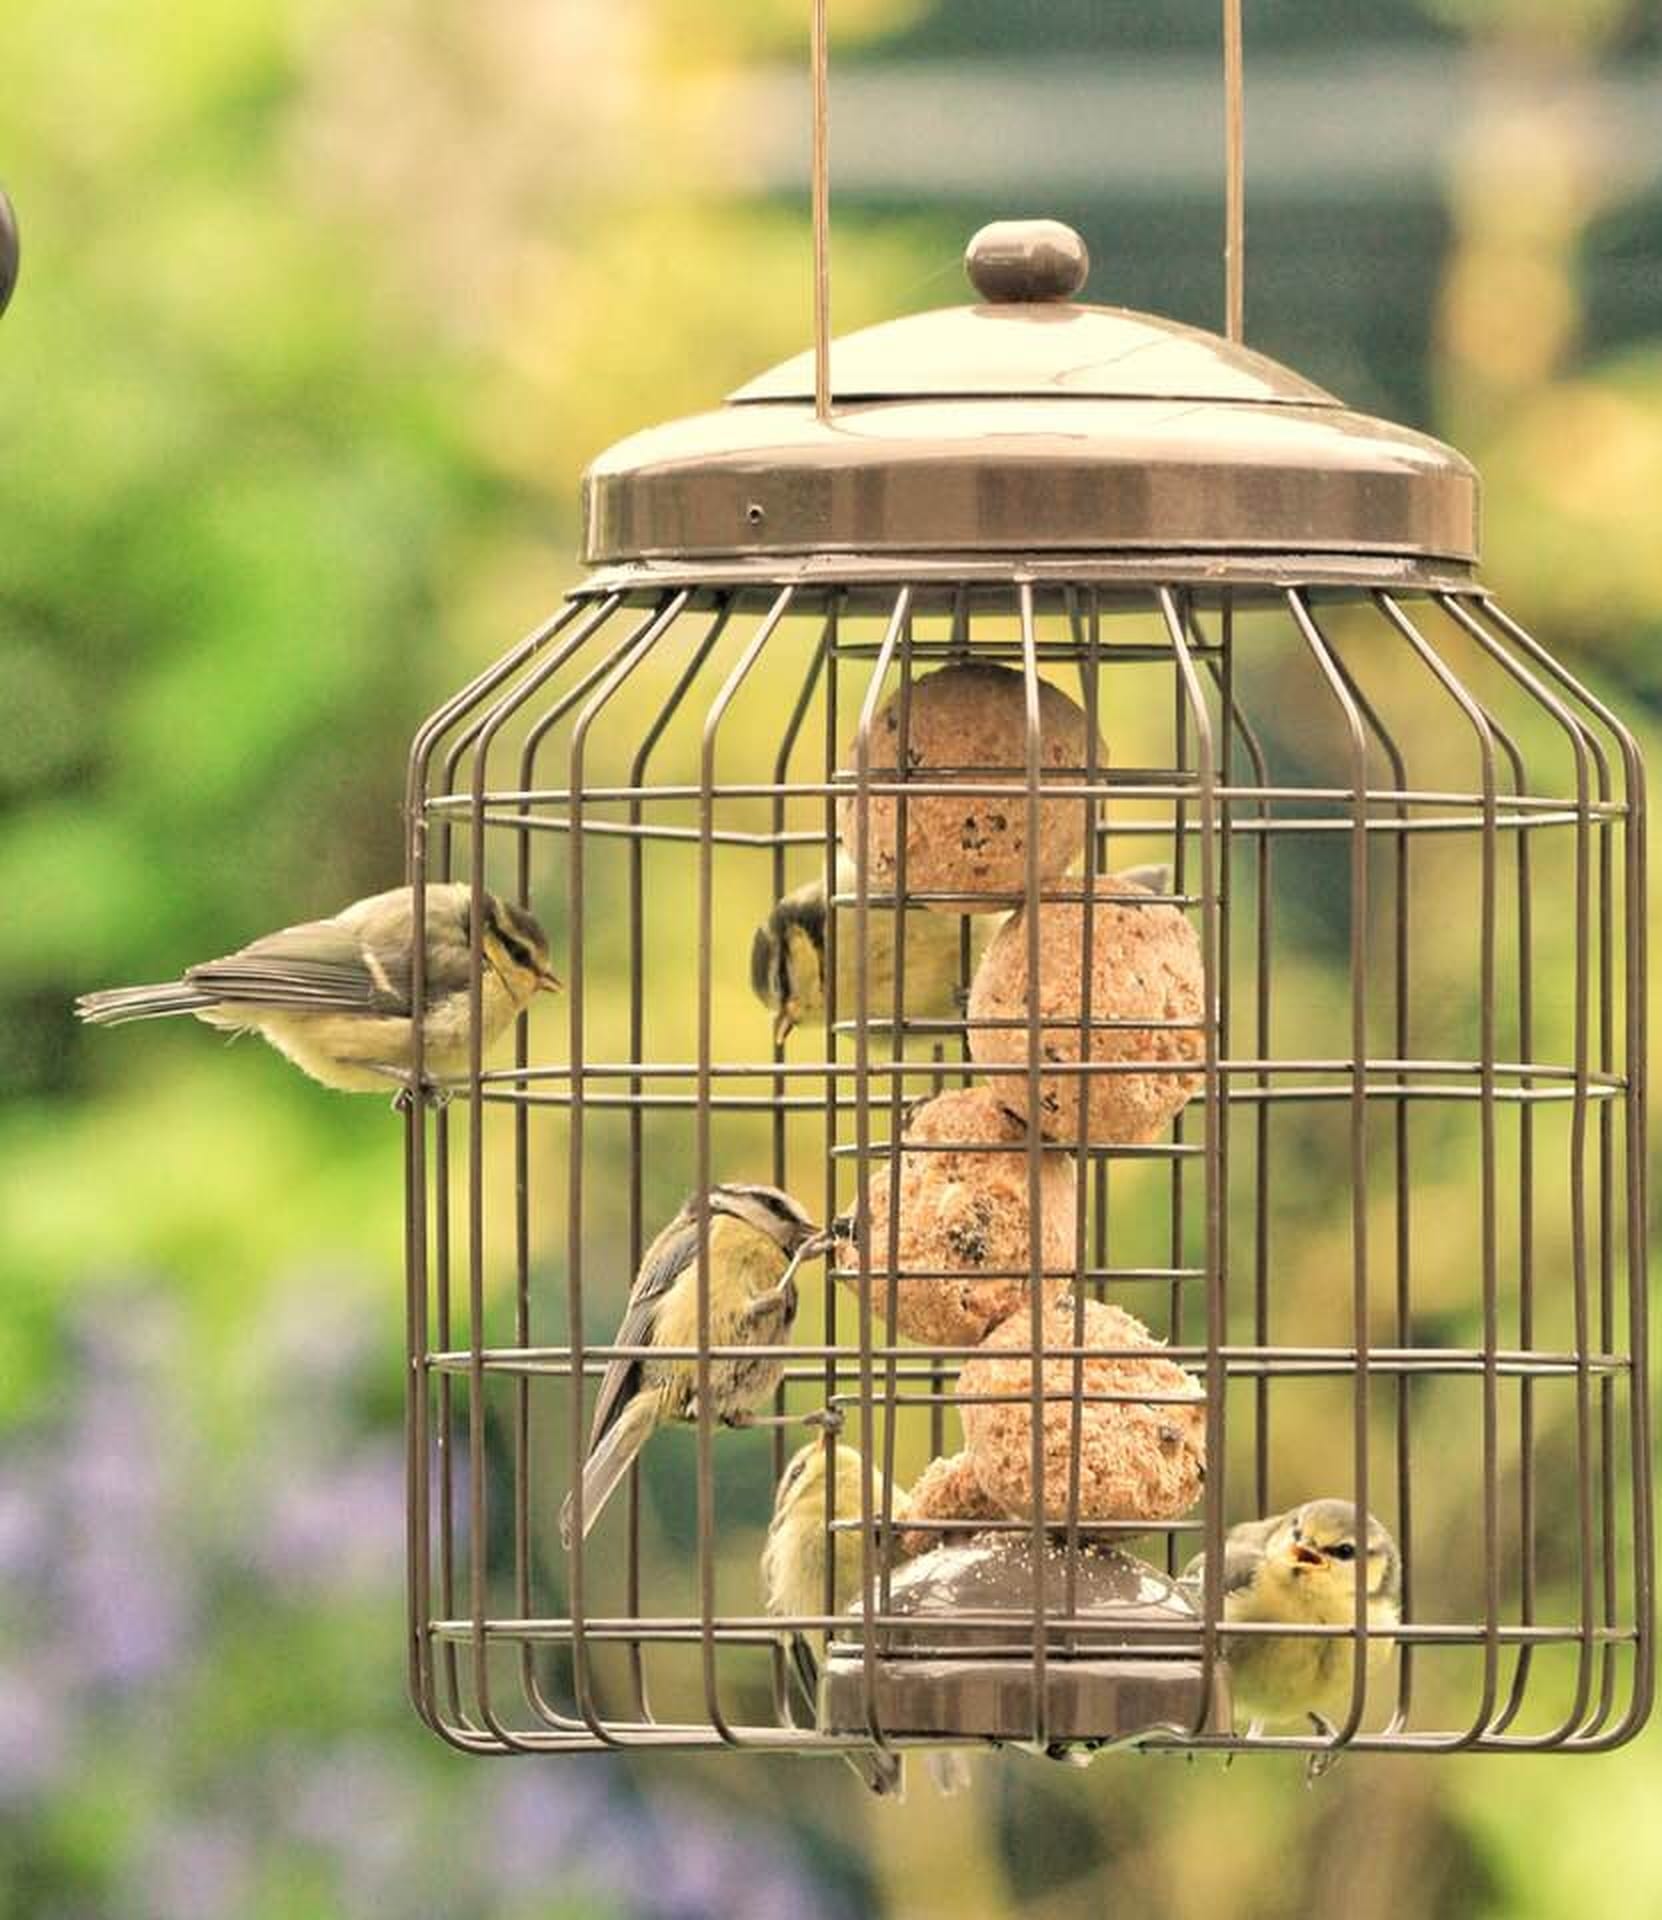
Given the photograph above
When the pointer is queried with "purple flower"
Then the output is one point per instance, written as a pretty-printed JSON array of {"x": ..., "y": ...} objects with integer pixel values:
[
  {"x": 196, "y": 1869},
  {"x": 334, "y": 1522},
  {"x": 33, "y": 1738},
  {"x": 546, "y": 1822},
  {"x": 24, "y": 1537}
]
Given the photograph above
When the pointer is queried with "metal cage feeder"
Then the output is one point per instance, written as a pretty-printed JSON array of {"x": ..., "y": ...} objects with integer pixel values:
[{"x": 1387, "y": 811}]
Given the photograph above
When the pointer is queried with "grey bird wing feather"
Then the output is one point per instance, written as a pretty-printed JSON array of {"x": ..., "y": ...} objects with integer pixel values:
[
  {"x": 358, "y": 962},
  {"x": 662, "y": 1265},
  {"x": 1243, "y": 1554},
  {"x": 623, "y": 1423},
  {"x": 318, "y": 967},
  {"x": 805, "y": 1672}
]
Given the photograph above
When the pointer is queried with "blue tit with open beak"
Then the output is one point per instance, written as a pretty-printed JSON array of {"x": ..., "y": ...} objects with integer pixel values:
[
  {"x": 758, "y": 1236},
  {"x": 1302, "y": 1568},
  {"x": 334, "y": 996}
]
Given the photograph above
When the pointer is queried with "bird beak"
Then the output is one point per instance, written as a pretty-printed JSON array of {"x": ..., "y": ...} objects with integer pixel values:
[
  {"x": 1303, "y": 1556},
  {"x": 817, "y": 1245},
  {"x": 548, "y": 981},
  {"x": 784, "y": 1025}
]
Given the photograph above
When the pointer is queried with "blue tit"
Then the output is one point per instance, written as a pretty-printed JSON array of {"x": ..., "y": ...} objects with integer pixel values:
[
  {"x": 333, "y": 996},
  {"x": 787, "y": 959},
  {"x": 758, "y": 1237},
  {"x": 794, "y": 1559},
  {"x": 1301, "y": 1568}
]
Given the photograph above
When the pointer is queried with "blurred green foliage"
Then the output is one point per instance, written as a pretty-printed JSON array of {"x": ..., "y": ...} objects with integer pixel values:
[{"x": 323, "y": 308}]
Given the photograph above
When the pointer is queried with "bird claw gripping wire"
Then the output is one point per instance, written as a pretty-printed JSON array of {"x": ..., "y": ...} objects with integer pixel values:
[{"x": 434, "y": 1098}]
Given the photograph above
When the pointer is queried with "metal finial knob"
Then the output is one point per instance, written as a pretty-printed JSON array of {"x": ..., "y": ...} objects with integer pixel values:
[
  {"x": 1018, "y": 260},
  {"x": 8, "y": 251}
]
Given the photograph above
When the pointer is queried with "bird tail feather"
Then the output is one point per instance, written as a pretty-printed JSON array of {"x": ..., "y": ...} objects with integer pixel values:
[
  {"x": 609, "y": 1462},
  {"x": 881, "y": 1771},
  {"x": 805, "y": 1665},
  {"x": 110, "y": 1008}
]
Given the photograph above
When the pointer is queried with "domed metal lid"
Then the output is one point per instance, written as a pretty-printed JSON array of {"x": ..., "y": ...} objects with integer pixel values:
[
  {"x": 1032, "y": 424},
  {"x": 1028, "y": 339}
]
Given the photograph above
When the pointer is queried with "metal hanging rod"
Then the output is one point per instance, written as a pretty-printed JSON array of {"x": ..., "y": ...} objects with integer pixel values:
[{"x": 1234, "y": 140}]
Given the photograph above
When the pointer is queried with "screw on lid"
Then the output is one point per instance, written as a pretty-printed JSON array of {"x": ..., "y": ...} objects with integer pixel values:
[{"x": 1025, "y": 260}]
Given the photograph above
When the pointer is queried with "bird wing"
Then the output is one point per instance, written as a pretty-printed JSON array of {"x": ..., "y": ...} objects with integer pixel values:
[
  {"x": 665, "y": 1261},
  {"x": 319, "y": 967},
  {"x": 1243, "y": 1554}
]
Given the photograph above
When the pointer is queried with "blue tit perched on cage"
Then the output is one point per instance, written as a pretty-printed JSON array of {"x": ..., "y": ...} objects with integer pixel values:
[
  {"x": 758, "y": 1238},
  {"x": 788, "y": 958},
  {"x": 794, "y": 1561},
  {"x": 334, "y": 995},
  {"x": 1301, "y": 1568}
]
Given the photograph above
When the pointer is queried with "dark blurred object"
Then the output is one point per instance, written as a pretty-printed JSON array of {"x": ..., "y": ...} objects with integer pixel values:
[{"x": 10, "y": 251}]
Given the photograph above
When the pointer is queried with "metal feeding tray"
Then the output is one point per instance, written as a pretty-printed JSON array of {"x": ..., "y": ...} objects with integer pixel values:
[{"x": 1098, "y": 1649}]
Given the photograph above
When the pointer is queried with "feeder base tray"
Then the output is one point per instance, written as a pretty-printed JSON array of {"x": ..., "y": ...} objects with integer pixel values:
[
  {"x": 1090, "y": 1701},
  {"x": 960, "y": 1662}
]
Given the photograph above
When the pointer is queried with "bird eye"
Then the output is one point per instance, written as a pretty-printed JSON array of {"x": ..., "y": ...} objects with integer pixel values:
[{"x": 1343, "y": 1551}]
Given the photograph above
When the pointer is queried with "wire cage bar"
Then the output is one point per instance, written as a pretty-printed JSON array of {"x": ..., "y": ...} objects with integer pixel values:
[{"x": 1394, "y": 1239}]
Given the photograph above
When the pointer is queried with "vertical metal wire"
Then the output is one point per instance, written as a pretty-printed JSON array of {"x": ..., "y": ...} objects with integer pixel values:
[
  {"x": 1479, "y": 722},
  {"x": 478, "y": 1487},
  {"x": 1216, "y": 1492},
  {"x": 702, "y": 1157},
  {"x": 830, "y": 746},
  {"x": 899, "y": 616},
  {"x": 1401, "y": 843},
  {"x": 897, "y": 1109},
  {"x": 420, "y": 1433},
  {"x": 635, "y": 649},
  {"x": 1320, "y": 652},
  {"x": 1031, "y": 911},
  {"x": 1219, "y": 766},
  {"x": 1497, "y": 652},
  {"x": 1176, "y": 1241},
  {"x": 1087, "y": 643},
  {"x": 536, "y": 736},
  {"x": 1263, "y": 947},
  {"x": 638, "y": 769},
  {"x": 1636, "y": 1042}
]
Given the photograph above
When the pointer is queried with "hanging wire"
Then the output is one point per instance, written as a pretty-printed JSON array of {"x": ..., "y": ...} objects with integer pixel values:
[
  {"x": 1234, "y": 139},
  {"x": 822, "y": 216}
]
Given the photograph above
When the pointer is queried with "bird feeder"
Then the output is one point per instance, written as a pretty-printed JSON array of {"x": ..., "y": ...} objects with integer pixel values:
[{"x": 1319, "y": 1154}]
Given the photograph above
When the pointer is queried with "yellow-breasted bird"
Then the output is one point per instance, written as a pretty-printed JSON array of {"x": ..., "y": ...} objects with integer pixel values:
[
  {"x": 787, "y": 959},
  {"x": 794, "y": 1559},
  {"x": 1301, "y": 1568},
  {"x": 758, "y": 1237},
  {"x": 334, "y": 995}
]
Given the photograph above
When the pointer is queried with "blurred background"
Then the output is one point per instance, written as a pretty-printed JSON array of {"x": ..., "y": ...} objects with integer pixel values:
[{"x": 324, "y": 307}]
